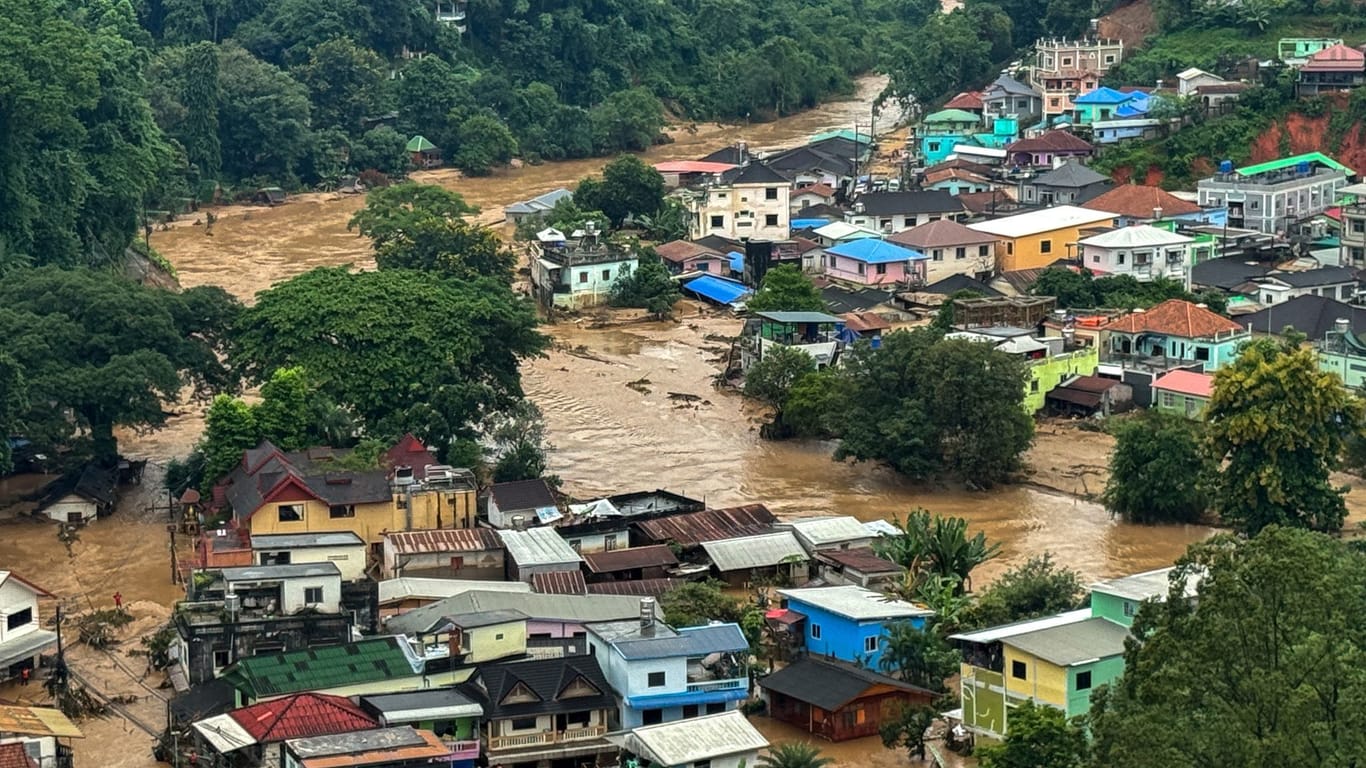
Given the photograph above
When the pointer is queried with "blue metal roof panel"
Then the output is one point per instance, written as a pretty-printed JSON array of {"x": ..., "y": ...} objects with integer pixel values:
[
  {"x": 717, "y": 289},
  {"x": 690, "y": 641},
  {"x": 1103, "y": 95},
  {"x": 874, "y": 251}
]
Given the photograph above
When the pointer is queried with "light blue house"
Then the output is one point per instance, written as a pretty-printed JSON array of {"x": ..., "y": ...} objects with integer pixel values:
[
  {"x": 1004, "y": 132},
  {"x": 662, "y": 674},
  {"x": 1175, "y": 333},
  {"x": 941, "y": 131},
  {"x": 849, "y": 622},
  {"x": 1102, "y": 104}
]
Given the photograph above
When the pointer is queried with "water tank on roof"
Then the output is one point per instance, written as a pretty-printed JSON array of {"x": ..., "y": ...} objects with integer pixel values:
[
  {"x": 1225, "y": 166},
  {"x": 1302, "y": 167}
]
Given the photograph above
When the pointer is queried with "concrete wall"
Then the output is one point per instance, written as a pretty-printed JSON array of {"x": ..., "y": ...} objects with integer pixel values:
[
  {"x": 14, "y": 598},
  {"x": 496, "y": 641},
  {"x": 349, "y": 559},
  {"x": 1048, "y": 373},
  {"x": 369, "y": 521},
  {"x": 72, "y": 509}
]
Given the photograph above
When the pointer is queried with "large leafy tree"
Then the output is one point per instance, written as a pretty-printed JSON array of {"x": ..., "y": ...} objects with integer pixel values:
[
  {"x": 786, "y": 289},
  {"x": 930, "y": 407},
  {"x": 1158, "y": 470},
  {"x": 1263, "y": 668},
  {"x": 13, "y": 403},
  {"x": 451, "y": 247},
  {"x": 78, "y": 146},
  {"x": 771, "y": 381},
  {"x": 382, "y": 149},
  {"x": 629, "y": 119},
  {"x": 99, "y": 353},
  {"x": 402, "y": 349},
  {"x": 649, "y": 287},
  {"x": 1039, "y": 587},
  {"x": 1039, "y": 736},
  {"x": 390, "y": 210},
  {"x": 263, "y": 117},
  {"x": 200, "y": 136},
  {"x": 920, "y": 657},
  {"x": 345, "y": 83},
  {"x": 628, "y": 187},
  {"x": 938, "y": 58},
  {"x": 794, "y": 754},
  {"x": 483, "y": 142},
  {"x": 1279, "y": 424}
]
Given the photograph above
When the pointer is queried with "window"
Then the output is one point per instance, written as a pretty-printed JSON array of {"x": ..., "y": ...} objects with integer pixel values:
[
  {"x": 498, "y": 636},
  {"x": 1129, "y": 608},
  {"x": 1045, "y": 246},
  {"x": 583, "y": 276},
  {"x": 609, "y": 542},
  {"x": 716, "y": 708},
  {"x": 1119, "y": 258},
  {"x": 341, "y": 510},
  {"x": 18, "y": 619},
  {"x": 313, "y": 595},
  {"x": 702, "y": 764},
  {"x": 576, "y": 545},
  {"x": 656, "y": 680},
  {"x": 933, "y": 146},
  {"x": 523, "y": 724},
  {"x": 881, "y": 269},
  {"x": 578, "y": 719},
  {"x": 221, "y": 659},
  {"x": 1358, "y": 225},
  {"x": 291, "y": 513},
  {"x": 1034, "y": 385},
  {"x": 815, "y": 631},
  {"x": 1168, "y": 401},
  {"x": 1095, "y": 258},
  {"x": 884, "y": 223},
  {"x": 702, "y": 266},
  {"x": 607, "y": 274},
  {"x": 1202, "y": 353},
  {"x": 1010, "y": 248},
  {"x": 832, "y": 262},
  {"x": 960, "y": 252},
  {"x": 1345, "y": 292},
  {"x": 689, "y": 710},
  {"x": 718, "y": 222},
  {"x": 770, "y": 193},
  {"x": 1084, "y": 681},
  {"x": 652, "y": 717},
  {"x": 1066, "y": 61},
  {"x": 770, "y": 220},
  {"x": 1053, "y": 102},
  {"x": 984, "y": 250},
  {"x": 861, "y": 268},
  {"x": 937, "y": 254},
  {"x": 870, "y": 644},
  {"x": 1019, "y": 670}
]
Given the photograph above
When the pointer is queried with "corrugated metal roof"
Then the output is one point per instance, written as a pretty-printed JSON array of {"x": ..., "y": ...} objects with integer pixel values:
[
  {"x": 717, "y": 289},
  {"x": 393, "y": 590},
  {"x": 304, "y": 540},
  {"x": 538, "y": 546},
  {"x": 290, "y": 571},
  {"x": 1069, "y": 644},
  {"x": 855, "y": 603},
  {"x": 688, "y": 641},
  {"x": 428, "y": 704},
  {"x": 37, "y": 721},
  {"x": 1143, "y": 586},
  {"x": 559, "y": 583},
  {"x": 998, "y": 633},
  {"x": 630, "y": 559},
  {"x": 709, "y": 525},
  {"x": 454, "y": 540},
  {"x": 696, "y": 739},
  {"x": 570, "y": 608},
  {"x": 754, "y": 551},
  {"x": 224, "y": 733},
  {"x": 861, "y": 559},
  {"x": 636, "y": 587},
  {"x": 380, "y": 746},
  {"x": 817, "y": 531}
]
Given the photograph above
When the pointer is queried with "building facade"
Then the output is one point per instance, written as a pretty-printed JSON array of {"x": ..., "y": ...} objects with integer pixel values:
[
  {"x": 849, "y": 622},
  {"x": 1270, "y": 197},
  {"x": 751, "y": 202},
  {"x": 578, "y": 271},
  {"x": 1064, "y": 69}
]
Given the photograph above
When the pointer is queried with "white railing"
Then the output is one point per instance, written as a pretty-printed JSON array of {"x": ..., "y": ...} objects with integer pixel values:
[
  {"x": 717, "y": 685},
  {"x": 548, "y": 737}
]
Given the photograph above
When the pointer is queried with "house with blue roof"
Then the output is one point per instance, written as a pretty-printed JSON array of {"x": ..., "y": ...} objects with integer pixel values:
[
  {"x": 662, "y": 674},
  {"x": 847, "y": 622},
  {"x": 718, "y": 290},
  {"x": 1102, "y": 104},
  {"x": 871, "y": 261}
]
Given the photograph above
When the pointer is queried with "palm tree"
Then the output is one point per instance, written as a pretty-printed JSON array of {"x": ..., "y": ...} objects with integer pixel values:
[
  {"x": 936, "y": 546},
  {"x": 794, "y": 754}
]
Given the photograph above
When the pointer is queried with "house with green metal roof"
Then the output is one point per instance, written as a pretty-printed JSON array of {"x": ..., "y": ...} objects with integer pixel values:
[
  {"x": 941, "y": 131},
  {"x": 424, "y": 154},
  {"x": 1273, "y": 196},
  {"x": 329, "y": 668}
]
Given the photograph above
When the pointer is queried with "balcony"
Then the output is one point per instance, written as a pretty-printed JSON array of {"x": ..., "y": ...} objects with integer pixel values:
[
  {"x": 735, "y": 684},
  {"x": 462, "y": 750},
  {"x": 547, "y": 738}
]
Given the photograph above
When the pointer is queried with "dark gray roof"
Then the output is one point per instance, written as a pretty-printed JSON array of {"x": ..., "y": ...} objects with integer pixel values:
[
  {"x": 430, "y": 698},
  {"x": 487, "y": 618},
  {"x": 1011, "y": 86},
  {"x": 265, "y": 467},
  {"x": 1314, "y": 277},
  {"x": 959, "y": 282},
  {"x": 811, "y": 159},
  {"x": 829, "y": 684},
  {"x": 732, "y": 154},
  {"x": 1313, "y": 316},
  {"x": 820, "y": 211},
  {"x": 719, "y": 244},
  {"x": 754, "y": 173},
  {"x": 1079, "y": 643},
  {"x": 841, "y": 300},
  {"x": 93, "y": 483},
  {"x": 1072, "y": 175},
  {"x": 522, "y": 494},
  {"x": 913, "y": 201},
  {"x": 544, "y": 678},
  {"x": 291, "y": 571},
  {"x": 628, "y": 638},
  {"x": 305, "y": 540},
  {"x": 1226, "y": 273}
]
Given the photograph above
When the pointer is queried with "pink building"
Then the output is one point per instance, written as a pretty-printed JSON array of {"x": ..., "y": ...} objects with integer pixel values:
[{"x": 871, "y": 261}]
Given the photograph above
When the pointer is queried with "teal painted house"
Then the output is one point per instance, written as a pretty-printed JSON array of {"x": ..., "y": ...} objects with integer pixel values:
[
  {"x": 1004, "y": 132},
  {"x": 1175, "y": 332},
  {"x": 1102, "y": 104},
  {"x": 941, "y": 131}
]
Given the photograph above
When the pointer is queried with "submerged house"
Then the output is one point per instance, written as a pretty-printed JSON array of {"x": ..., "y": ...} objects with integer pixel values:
[
  {"x": 577, "y": 271},
  {"x": 23, "y": 639},
  {"x": 836, "y": 700}
]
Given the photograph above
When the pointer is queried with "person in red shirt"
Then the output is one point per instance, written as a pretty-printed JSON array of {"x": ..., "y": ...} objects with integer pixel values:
[{"x": 118, "y": 601}]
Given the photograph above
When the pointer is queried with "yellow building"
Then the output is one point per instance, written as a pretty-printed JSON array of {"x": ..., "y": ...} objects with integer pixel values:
[
  {"x": 273, "y": 492},
  {"x": 1036, "y": 239}
]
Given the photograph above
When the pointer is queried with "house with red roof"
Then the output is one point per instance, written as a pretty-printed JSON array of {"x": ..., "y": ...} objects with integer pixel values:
[
  {"x": 1046, "y": 149},
  {"x": 1174, "y": 334},
  {"x": 1142, "y": 204},
  {"x": 1184, "y": 393},
  {"x": 968, "y": 101},
  {"x": 1335, "y": 68},
  {"x": 255, "y": 735}
]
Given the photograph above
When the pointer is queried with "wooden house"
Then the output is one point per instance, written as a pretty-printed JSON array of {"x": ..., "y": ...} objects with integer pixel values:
[{"x": 835, "y": 700}]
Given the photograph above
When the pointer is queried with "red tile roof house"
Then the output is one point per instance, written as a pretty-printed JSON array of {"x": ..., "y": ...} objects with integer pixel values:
[
  {"x": 249, "y": 733},
  {"x": 682, "y": 256},
  {"x": 1337, "y": 68},
  {"x": 1043, "y": 150},
  {"x": 1140, "y": 204},
  {"x": 1173, "y": 335}
]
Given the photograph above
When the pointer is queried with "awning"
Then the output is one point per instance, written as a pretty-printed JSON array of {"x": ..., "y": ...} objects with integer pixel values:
[
  {"x": 717, "y": 290},
  {"x": 25, "y": 646},
  {"x": 224, "y": 734},
  {"x": 1075, "y": 397}
]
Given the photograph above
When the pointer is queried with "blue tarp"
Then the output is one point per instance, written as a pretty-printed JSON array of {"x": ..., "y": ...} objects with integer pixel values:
[
  {"x": 809, "y": 223},
  {"x": 737, "y": 262},
  {"x": 717, "y": 289}
]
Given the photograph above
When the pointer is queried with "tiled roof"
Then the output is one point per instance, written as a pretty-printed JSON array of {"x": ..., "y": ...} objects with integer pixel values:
[
  {"x": 1335, "y": 58},
  {"x": 820, "y": 190},
  {"x": 13, "y": 755},
  {"x": 1176, "y": 317},
  {"x": 679, "y": 251},
  {"x": 709, "y": 525},
  {"x": 1138, "y": 201},
  {"x": 265, "y": 470},
  {"x": 968, "y": 100},
  {"x": 301, "y": 716},
  {"x": 1052, "y": 141},
  {"x": 522, "y": 494},
  {"x": 630, "y": 559},
  {"x": 317, "y": 669},
  {"x": 940, "y": 234},
  {"x": 444, "y": 540},
  {"x": 559, "y": 583}
]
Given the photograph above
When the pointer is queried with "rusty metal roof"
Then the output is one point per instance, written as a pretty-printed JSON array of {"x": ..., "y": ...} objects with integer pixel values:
[
  {"x": 559, "y": 583},
  {"x": 453, "y": 540},
  {"x": 636, "y": 587},
  {"x": 861, "y": 559},
  {"x": 630, "y": 559},
  {"x": 709, "y": 525},
  {"x": 12, "y": 755}
]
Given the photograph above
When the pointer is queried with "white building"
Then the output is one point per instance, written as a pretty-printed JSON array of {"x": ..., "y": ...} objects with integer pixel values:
[
  {"x": 578, "y": 271},
  {"x": 344, "y": 549},
  {"x": 22, "y": 638},
  {"x": 1269, "y": 197},
  {"x": 753, "y": 201},
  {"x": 286, "y": 589},
  {"x": 1337, "y": 283},
  {"x": 1143, "y": 251},
  {"x": 538, "y": 550}
]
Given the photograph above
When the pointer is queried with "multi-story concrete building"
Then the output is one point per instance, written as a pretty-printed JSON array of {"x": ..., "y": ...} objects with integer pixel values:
[
  {"x": 1066, "y": 68},
  {"x": 1270, "y": 197},
  {"x": 751, "y": 202},
  {"x": 1354, "y": 225},
  {"x": 578, "y": 271}
]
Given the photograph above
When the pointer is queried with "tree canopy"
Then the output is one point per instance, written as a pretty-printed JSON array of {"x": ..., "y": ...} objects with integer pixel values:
[
  {"x": 649, "y": 287},
  {"x": 1278, "y": 424},
  {"x": 628, "y": 187},
  {"x": 450, "y": 247},
  {"x": 1261, "y": 669},
  {"x": 786, "y": 288},
  {"x": 1039, "y": 736},
  {"x": 97, "y": 353},
  {"x": 772, "y": 379},
  {"x": 436, "y": 367},
  {"x": 390, "y": 210},
  {"x": 1082, "y": 290},
  {"x": 1038, "y": 587},
  {"x": 1159, "y": 470}
]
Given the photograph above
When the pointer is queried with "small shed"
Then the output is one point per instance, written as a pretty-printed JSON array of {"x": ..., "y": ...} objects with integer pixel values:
[
  {"x": 634, "y": 564},
  {"x": 537, "y": 550},
  {"x": 1089, "y": 395},
  {"x": 859, "y": 566},
  {"x": 522, "y": 502},
  {"x": 81, "y": 497},
  {"x": 423, "y": 153},
  {"x": 837, "y": 700},
  {"x": 269, "y": 196},
  {"x": 724, "y": 740},
  {"x": 739, "y": 561}
]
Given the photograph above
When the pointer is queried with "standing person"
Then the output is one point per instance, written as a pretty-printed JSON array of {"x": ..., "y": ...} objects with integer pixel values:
[
  {"x": 24, "y": 675},
  {"x": 118, "y": 601}
]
